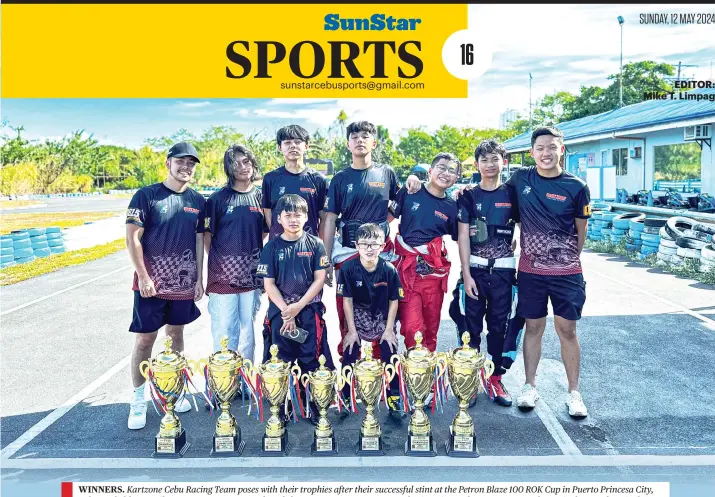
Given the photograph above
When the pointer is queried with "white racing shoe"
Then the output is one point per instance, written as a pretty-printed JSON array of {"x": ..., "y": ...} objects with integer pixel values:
[
  {"x": 577, "y": 409},
  {"x": 528, "y": 397},
  {"x": 137, "y": 415}
]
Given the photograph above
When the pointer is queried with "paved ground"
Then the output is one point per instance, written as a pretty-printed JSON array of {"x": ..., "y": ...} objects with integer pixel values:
[
  {"x": 74, "y": 204},
  {"x": 647, "y": 341}
]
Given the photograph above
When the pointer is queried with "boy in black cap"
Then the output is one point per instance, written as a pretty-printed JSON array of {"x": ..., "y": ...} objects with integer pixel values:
[{"x": 165, "y": 243}]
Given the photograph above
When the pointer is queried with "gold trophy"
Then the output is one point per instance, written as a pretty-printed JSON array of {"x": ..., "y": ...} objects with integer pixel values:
[
  {"x": 224, "y": 379},
  {"x": 368, "y": 374},
  {"x": 418, "y": 364},
  {"x": 166, "y": 373},
  {"x": 322, "y": 389},
  {"x": 463, "y": 366},
  {"x": 274, "y": 381}
]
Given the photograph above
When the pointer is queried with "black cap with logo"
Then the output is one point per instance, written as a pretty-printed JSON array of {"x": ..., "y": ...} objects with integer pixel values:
[{"x": 183, "y": 149}]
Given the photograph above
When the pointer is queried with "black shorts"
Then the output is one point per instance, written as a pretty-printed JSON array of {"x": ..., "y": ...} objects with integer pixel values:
[
  {"x": 152, "y": 313},
  {"x": 566, "y": 292}
]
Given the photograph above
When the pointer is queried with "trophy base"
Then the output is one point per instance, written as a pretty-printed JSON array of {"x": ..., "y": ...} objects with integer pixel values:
[
  {"x": 420, "y": 446},
  {"x": 370, "y": 446},
  {"x": 461, "y": 445},
  {"x": 228, "y": 446},
  {"x": 275, "y": 446},
  {"x": 324, "y": 446},
  {"x": 170, "y": 448}
]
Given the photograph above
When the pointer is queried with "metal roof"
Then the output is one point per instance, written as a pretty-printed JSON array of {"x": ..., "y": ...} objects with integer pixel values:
[{"x": 647, "y": 113}]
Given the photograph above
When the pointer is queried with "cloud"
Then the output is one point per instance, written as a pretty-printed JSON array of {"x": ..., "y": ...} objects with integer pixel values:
[{"x": 193, "y": 105}]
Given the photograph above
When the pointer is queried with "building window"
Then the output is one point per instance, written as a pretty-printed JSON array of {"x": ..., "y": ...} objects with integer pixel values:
[{"x": 620, "y": 160}]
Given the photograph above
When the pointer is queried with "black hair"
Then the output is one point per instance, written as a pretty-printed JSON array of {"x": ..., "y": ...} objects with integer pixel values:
[
  {"x": 546, "y": 130},
  {"x": 369, "y": 231},
  {"x": 359, "y": 126},
  {"x": 451, "y": 158},
  {"x": 229, "y": 159},
  {"x": 292, "y": 132},
  {"x": 292, "y": 203},
  {"x": 489, "y": 147}
]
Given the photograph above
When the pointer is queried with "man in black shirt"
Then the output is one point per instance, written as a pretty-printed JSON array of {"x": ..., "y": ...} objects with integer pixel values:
[{"x": 165, "y": 243}]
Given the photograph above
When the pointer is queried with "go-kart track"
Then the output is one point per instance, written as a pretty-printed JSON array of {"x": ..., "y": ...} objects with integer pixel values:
[{"x": 647, "y": 378}]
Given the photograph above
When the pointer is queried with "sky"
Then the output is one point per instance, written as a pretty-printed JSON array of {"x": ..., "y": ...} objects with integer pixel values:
[{"x": 583, "y": 48}]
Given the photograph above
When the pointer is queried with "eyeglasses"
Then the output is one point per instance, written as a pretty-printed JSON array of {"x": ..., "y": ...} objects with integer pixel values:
[
  {"x": 373, "y": 246},
  {"x": 443, "y": 169}
]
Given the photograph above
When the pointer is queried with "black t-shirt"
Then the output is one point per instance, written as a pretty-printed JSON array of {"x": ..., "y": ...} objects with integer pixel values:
[
  {"x": 291, "y": 264},
  {"x": 371, "y": 293},
  {"x": 547, "y": 209},
  {"x": 424, "y": 217},
  {"x": 498, "y": 209},
  {"x": 309, "y": 184},
  {"x": 236, "y": 223},
  {"x": 170, "y": 221},
  {"x": 362, "y": 195}
]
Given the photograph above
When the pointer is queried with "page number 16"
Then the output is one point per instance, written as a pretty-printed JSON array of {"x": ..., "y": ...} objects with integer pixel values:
[{"x": 467, "y": 54}]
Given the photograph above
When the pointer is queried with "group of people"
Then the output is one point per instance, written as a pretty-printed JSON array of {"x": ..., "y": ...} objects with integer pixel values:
[{"x": 298, "y": 232}]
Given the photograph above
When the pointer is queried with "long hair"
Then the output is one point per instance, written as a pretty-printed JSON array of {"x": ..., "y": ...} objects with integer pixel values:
[{"x": 229, "y": 159}]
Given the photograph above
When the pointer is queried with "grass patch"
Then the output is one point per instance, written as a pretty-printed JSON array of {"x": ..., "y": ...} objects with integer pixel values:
[
  {"x": 22, "y": 272},
  {"x": 689, "y": 269},
  {"x": 27, "y": 220},
  {"x": 8, "y": 204}
]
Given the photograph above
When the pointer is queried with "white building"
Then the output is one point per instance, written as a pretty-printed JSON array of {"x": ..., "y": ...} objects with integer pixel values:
[{"x": 507, "y": 117}]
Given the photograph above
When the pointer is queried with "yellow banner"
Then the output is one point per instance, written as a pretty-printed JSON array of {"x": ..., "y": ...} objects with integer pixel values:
[{"x": 228, "y": 51}]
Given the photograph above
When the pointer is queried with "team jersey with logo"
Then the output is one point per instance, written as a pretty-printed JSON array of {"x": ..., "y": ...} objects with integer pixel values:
[
  {"x": 309, "y": 184},
  {"x": 548, "y": 208},
  {"x": 499, "y": 210},
  {"x": 424, "y": 217},
  {"x": 362, "y": 195},
  {"x": 236, "y": 223},
  {"x": 292, "y": 263},
  {"x": 371, "y": 293},
  {"x": 170, "y": 221}
]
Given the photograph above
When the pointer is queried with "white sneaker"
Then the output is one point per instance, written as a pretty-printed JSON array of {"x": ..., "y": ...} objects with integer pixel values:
[
  {"x": 137, "y": 415},
  {"x": 527, "y": 397},
  {"x": 183, "y": 405},
  {"x": 577, "y": 409}
]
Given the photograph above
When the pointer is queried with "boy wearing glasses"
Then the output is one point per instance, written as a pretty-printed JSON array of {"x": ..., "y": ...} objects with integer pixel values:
[
  {"x": 425, "y": 217},
  {"x": 370, "y": 288}
]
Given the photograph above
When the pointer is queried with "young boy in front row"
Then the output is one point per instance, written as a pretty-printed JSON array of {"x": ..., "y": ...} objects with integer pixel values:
[
  {"x": 370, "y": 289},
  {"x": 293, "y": 269}
]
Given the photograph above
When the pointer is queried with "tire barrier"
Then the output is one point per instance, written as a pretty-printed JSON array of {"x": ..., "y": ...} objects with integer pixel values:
[
  {"x": 688, "y": 253},
  {"x": 668, "y": 243},
  {"x": 664, "y": 235},
  {"x": 618, "y": 231},
  {"x": 646, "y": 250},
  {"x": 43, "y": 252},
  {"x": 707, "y": 253},
  {"x": 600, "y": 206},
  {"x": 636, "y": 225},
  {"x": 623, "y": 221},
  {"x": 636, "y": 235},
  {"x": 6, "y": 241},
  {"x": 667, "y": 250},
  {"x": 608, "y": 216},
  {"x": 19, "y": 235},
  {"x": 7, "y": 251},
  {"x": 654, "y": 222},
  {"x": 676, "y": 225},
  {"x": 690, "y": 243},
  {"x": 632, "y": 248},
  {"x": 650, "y": 239},
  {"x": 25, "y": 259},
  {"x": 57, "y": 250},
  {"x": 22, "y": 246}
]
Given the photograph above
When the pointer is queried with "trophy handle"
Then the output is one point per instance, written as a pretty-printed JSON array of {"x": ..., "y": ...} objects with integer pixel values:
[
  {"x": 390, "y": 372},
  {"x": 346, "y": 374},
  {"x": 489, "y": 368},
  {"x": 197, "y": 366},
  {"x": 305, "y": 379},
  {"x": 144, "y": 369},
  {"x": 395, "y": 360},
  {"x": 296, "y": 371}
]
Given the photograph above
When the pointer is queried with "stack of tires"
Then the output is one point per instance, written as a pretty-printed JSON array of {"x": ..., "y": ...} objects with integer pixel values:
[
  {"x": 707, "y": 258},
  {"x": 667, "y": 248},
  {"x": 621, "y": 228},
  {"x": 54, "y": 240},
  {"x": 594, "y": 227},
  {"x": 633, "y": 239},
  {"x": 22, "y": 247},
  {"x": 38, "y": 239},
  {"x": 605, "y": 225},
  {"x": 7, "y": 252},
  {"x": 690, "y": 238},
  {"x": 650, "y": 237}
]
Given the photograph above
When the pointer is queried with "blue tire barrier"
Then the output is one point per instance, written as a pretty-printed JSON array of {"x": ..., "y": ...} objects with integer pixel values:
[
  {"x": 43, "y": 252},
  {"x": 600, "y": 206},
  {"x": 596, "y": 216},
  {"x": 36, "y": 231},
  {"x": 650, "y": 238},
  {"x": 25, "y": 259},
  {"x": 22, "y": 244},
  {"x": 57, "y": 250},
  {"x": 623, "y": 221},
  {"x": 651, "y": 244},
  {"x": 632, "y": 248},
  {"x": 597, "y": 237},
  {"x": 19, "y": 235},
  {"x": 636, "y": 225},
  {"x": 636, "y": 235},
  {"x": 38, "y": 238},
  {"x": 53, "y": 229},
  {"x": 6, "y": 258},
  {"x": 40, "y": 246},
  {"x": 596, "y": 229},
  {"x": 606, "y": 231},
  {"x": 53, "y": 236},
  {"x": 619, "y": 231},
  {"x": 6, "y": 242},
  {"x": 617, "y": 238},
  {"x": 56, "y": 243},
  {"x": 608, "y": 216},
  {"x": 23, "y": 253},
  {"x": 7, "y": 251},
  {"x": 8, "y": 264},
  {"x": 645, "y": 250}
]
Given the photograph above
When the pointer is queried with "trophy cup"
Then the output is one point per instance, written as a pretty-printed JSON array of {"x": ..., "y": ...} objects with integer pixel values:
[
  {"x": 166, "y": 374},
  {"x": 463, "y": 366},
  {"x": 224, "y": 379},
  {"x": 274, "y": 381},
  {"x": 418, "y": 364},
  {"x": 322, "y": 389},
  {"x": 368, "y": 374}
]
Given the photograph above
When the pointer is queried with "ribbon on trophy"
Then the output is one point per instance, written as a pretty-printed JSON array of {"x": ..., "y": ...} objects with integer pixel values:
[
  {"x": 439, "y": 387},
  {"x": 188, "y": 382},
  {"x": 402, "y": 388},
  {"x": 252, "y": 394},
  {"x": 384, "y": 390},
  {"x": 208, "y": 392},
  {"x": 483, "y": 381},
  {"x": 294, "y": 395},
  {"x": 306, "y": 385}
]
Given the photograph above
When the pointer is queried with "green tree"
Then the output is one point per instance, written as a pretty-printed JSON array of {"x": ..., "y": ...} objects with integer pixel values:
[{"x": 418, "y": 147}]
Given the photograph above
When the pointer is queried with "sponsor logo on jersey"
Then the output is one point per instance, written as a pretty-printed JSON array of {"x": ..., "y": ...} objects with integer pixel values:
[
  {"x": 229, "y": 210},
  {"x": 304, "y": 254},
  {"x": 401, "y": 292},
  {"x": 526, "y": 191},
  {"x": 308, "y": 190},
  {"x": 380, "y": 283},
  {"x": 478, "y": 206},
  {"x": 281, "y": 190},
  {"x": 415, "y": 206},
  {"x": 207, "y": 223},
  {"x": 164, "y": 209},
  {"x": 281, "y": 256},
  {"x": 340, "y": 289},
  {"x": 358, "y": 283},
  {"x": 191, "y": 210},
  {"x": 327, "y": 201},
  {"x": 324, "y": 260},
  {"x": 350, "y": 187},
  {"x": 262, "y": 269},
  {"x": 554, "y": 196},
  {"x": 441, "y": 215},
  {"x": 502, "y": 204},
  {"x": 253, "y": 208},
  {"x": 376, "y": 184},
  {"x": 586, "y": 210},
  {"x": 134, "y": 214}
]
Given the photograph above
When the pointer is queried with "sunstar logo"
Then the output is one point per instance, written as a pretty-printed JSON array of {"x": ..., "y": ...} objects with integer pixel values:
[
  {"x": 358, "y": 283},
  {"x": 281, "y": 190},
  {"x": 526, "y": 191},
  {"x": 350, "y": 187},
  {"x": 415, "y": 206},
  {"x": 164, "y": 209},
  {"x": 229, "y": 210}
]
